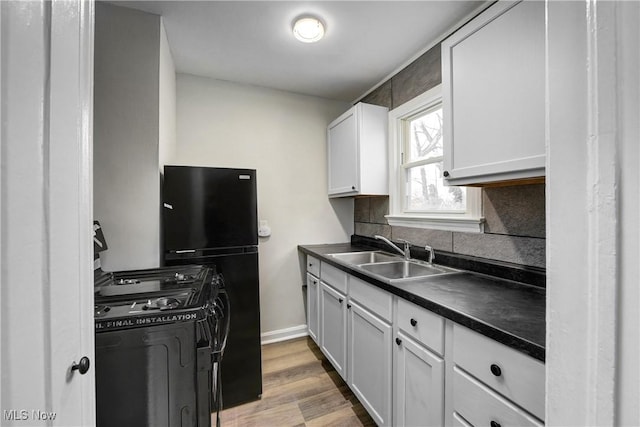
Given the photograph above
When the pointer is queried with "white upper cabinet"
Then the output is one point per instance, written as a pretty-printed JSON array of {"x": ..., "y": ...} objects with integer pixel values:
[
  {"x": 357, "y": 152},
  {"x": 494, "y": 96}
]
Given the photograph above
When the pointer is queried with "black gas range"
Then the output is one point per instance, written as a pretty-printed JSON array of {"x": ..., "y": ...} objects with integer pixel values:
[
  {"x": 151, "y": 297},
  {"x": 159, "y": 336}
]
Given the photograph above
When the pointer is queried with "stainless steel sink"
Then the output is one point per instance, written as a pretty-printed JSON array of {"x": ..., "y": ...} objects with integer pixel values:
[
  {"x": 390, "y": 267},
  {"x": 399, "y": 270},
  {"x": 370, "y": 257}
]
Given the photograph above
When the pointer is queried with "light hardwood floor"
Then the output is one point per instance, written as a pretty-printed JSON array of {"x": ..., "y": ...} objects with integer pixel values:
[{"x": 300, "y": 388}]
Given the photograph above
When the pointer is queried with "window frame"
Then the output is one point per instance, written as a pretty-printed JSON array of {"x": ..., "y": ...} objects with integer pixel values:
[{"x": 469, "y": 221}]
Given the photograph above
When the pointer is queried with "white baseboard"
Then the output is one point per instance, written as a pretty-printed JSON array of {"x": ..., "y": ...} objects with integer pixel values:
[{"x": 283, "y": 334}]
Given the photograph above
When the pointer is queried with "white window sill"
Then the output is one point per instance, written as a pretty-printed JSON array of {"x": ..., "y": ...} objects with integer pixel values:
[{"x": 444, "y": 222}]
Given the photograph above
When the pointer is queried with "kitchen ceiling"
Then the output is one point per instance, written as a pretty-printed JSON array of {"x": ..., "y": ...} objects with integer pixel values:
[{"x": 251, "y": 42}]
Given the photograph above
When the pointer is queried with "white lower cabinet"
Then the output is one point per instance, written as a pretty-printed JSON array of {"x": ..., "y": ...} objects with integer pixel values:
[
  {"x": 333, "y": 327},
  {"x": 481, "y": 406},
  {"x": 402, "y": 361},
  {"x": 369, "y": 354},
  {"x": 494, "y": 381},
  {"x": 418, "y": 384},
  {"x": 313, "y": 289}
]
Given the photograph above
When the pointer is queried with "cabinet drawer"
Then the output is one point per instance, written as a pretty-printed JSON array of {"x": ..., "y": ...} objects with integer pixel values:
[
  {"x": 334, "y": 277},
  {"x": 313, "y": 266},
  {"x": 481, "y": 406},
  {"x": 422, "y": 325},
  {"x": 520, "y": 377},
  {"x": 376, "y": 300}
]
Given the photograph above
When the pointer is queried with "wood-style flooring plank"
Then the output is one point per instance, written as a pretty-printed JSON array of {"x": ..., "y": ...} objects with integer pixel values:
[
  {"x": 295, "y": 373},
  {"x": 287, "y": 393},
  {"x": 345, "y": 417},
  {"x": 287, "y": 361},
  {"x": 323, "y": 403},
  {"x": 300, "y": 388},
  {"x": 271, "y": 351},
  {"x": 283, "y": 415}
]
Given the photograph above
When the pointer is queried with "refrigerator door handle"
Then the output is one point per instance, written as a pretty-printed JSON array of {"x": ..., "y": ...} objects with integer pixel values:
[{"x": 185, "y": 251}]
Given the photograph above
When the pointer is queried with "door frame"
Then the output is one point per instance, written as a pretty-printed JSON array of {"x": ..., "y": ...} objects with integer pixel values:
[{"x": 46, "y": 210}]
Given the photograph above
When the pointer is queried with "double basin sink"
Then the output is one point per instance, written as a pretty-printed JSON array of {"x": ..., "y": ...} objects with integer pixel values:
[{"x": 391, "y": 267}]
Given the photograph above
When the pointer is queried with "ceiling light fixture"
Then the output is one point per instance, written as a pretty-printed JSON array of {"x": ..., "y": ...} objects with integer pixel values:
[{"x": 308, "y": 29}]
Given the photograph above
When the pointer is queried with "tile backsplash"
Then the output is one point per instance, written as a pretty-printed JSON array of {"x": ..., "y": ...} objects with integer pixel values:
[{"x": 514, "y": 226}]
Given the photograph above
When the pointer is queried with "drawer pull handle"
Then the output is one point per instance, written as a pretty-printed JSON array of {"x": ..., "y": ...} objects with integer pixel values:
[
  {"x": 414, "y": 322},
  {"x": 495, "y": 370},
  {"x": 398, "y": 341},
  {"x": 495, "y": 424},
  {"x": 340, "y": 300},
  {"x": 310, "y": 265},
  {"x": 315, "y": 282},
  {"x": 349, "y": 306}
]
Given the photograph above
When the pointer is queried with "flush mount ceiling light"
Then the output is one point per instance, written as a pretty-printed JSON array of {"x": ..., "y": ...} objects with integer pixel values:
[{"x": 308, "y": 29}]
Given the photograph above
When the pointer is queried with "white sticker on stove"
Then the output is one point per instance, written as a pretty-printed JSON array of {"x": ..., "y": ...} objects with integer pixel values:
[
  {"x": 168, "y": 206},
  {"x": 244, "y": 176}
]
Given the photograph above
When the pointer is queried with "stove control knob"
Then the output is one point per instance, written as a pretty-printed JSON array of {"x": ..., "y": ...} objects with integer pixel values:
[{"x": 82, "y": 367}]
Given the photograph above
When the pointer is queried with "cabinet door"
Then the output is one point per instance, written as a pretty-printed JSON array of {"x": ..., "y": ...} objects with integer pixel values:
[
  {"x": 419, "y": 385},
  {"x": 343, "y": 154},
  {"x": 333, "y": 328},
  {"x": 312, "y": 306},
  {"x": 493, "y": 96},
  {"x": 370, "y": 362}
]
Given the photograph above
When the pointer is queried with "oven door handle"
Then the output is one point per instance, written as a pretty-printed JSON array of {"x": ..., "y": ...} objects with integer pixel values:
[
  {"x": 207, "y": 332},
  {"x": 224, "y": 307}
]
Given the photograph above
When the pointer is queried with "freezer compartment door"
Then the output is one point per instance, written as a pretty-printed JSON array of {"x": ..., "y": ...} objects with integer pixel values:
[{"x": 208, "y": 208}]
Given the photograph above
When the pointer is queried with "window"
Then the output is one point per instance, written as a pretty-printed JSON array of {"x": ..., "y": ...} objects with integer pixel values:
[{"x": 418, "y": 194}]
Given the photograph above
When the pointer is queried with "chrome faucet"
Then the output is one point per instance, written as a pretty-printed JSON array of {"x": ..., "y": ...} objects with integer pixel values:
[
  {"x": 431, "y": 254},
  {"x": 405, "y": 252}
]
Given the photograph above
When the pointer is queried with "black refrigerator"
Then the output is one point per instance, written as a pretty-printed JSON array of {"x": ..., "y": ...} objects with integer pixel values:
[{"x": 210, "y": 218}]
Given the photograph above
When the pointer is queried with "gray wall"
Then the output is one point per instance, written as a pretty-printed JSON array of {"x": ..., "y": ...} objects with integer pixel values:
[
  {"x": 515, "y": 215},
  {"x": 126, "y": 178},
  {"x": 167, "y": 102}
]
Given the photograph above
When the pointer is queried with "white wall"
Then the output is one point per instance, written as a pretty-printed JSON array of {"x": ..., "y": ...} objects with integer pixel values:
[
  {"x": 283, "y": 137},
  {"x": 167, "y": 101},
  {"x": 628, "y": 336},
  {"x": 593, "y": 221},
  {"x": 126, "y": 177}
]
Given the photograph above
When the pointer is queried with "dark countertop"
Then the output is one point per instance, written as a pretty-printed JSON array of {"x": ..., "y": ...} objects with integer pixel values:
[{"x": 509, "y": 312}]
